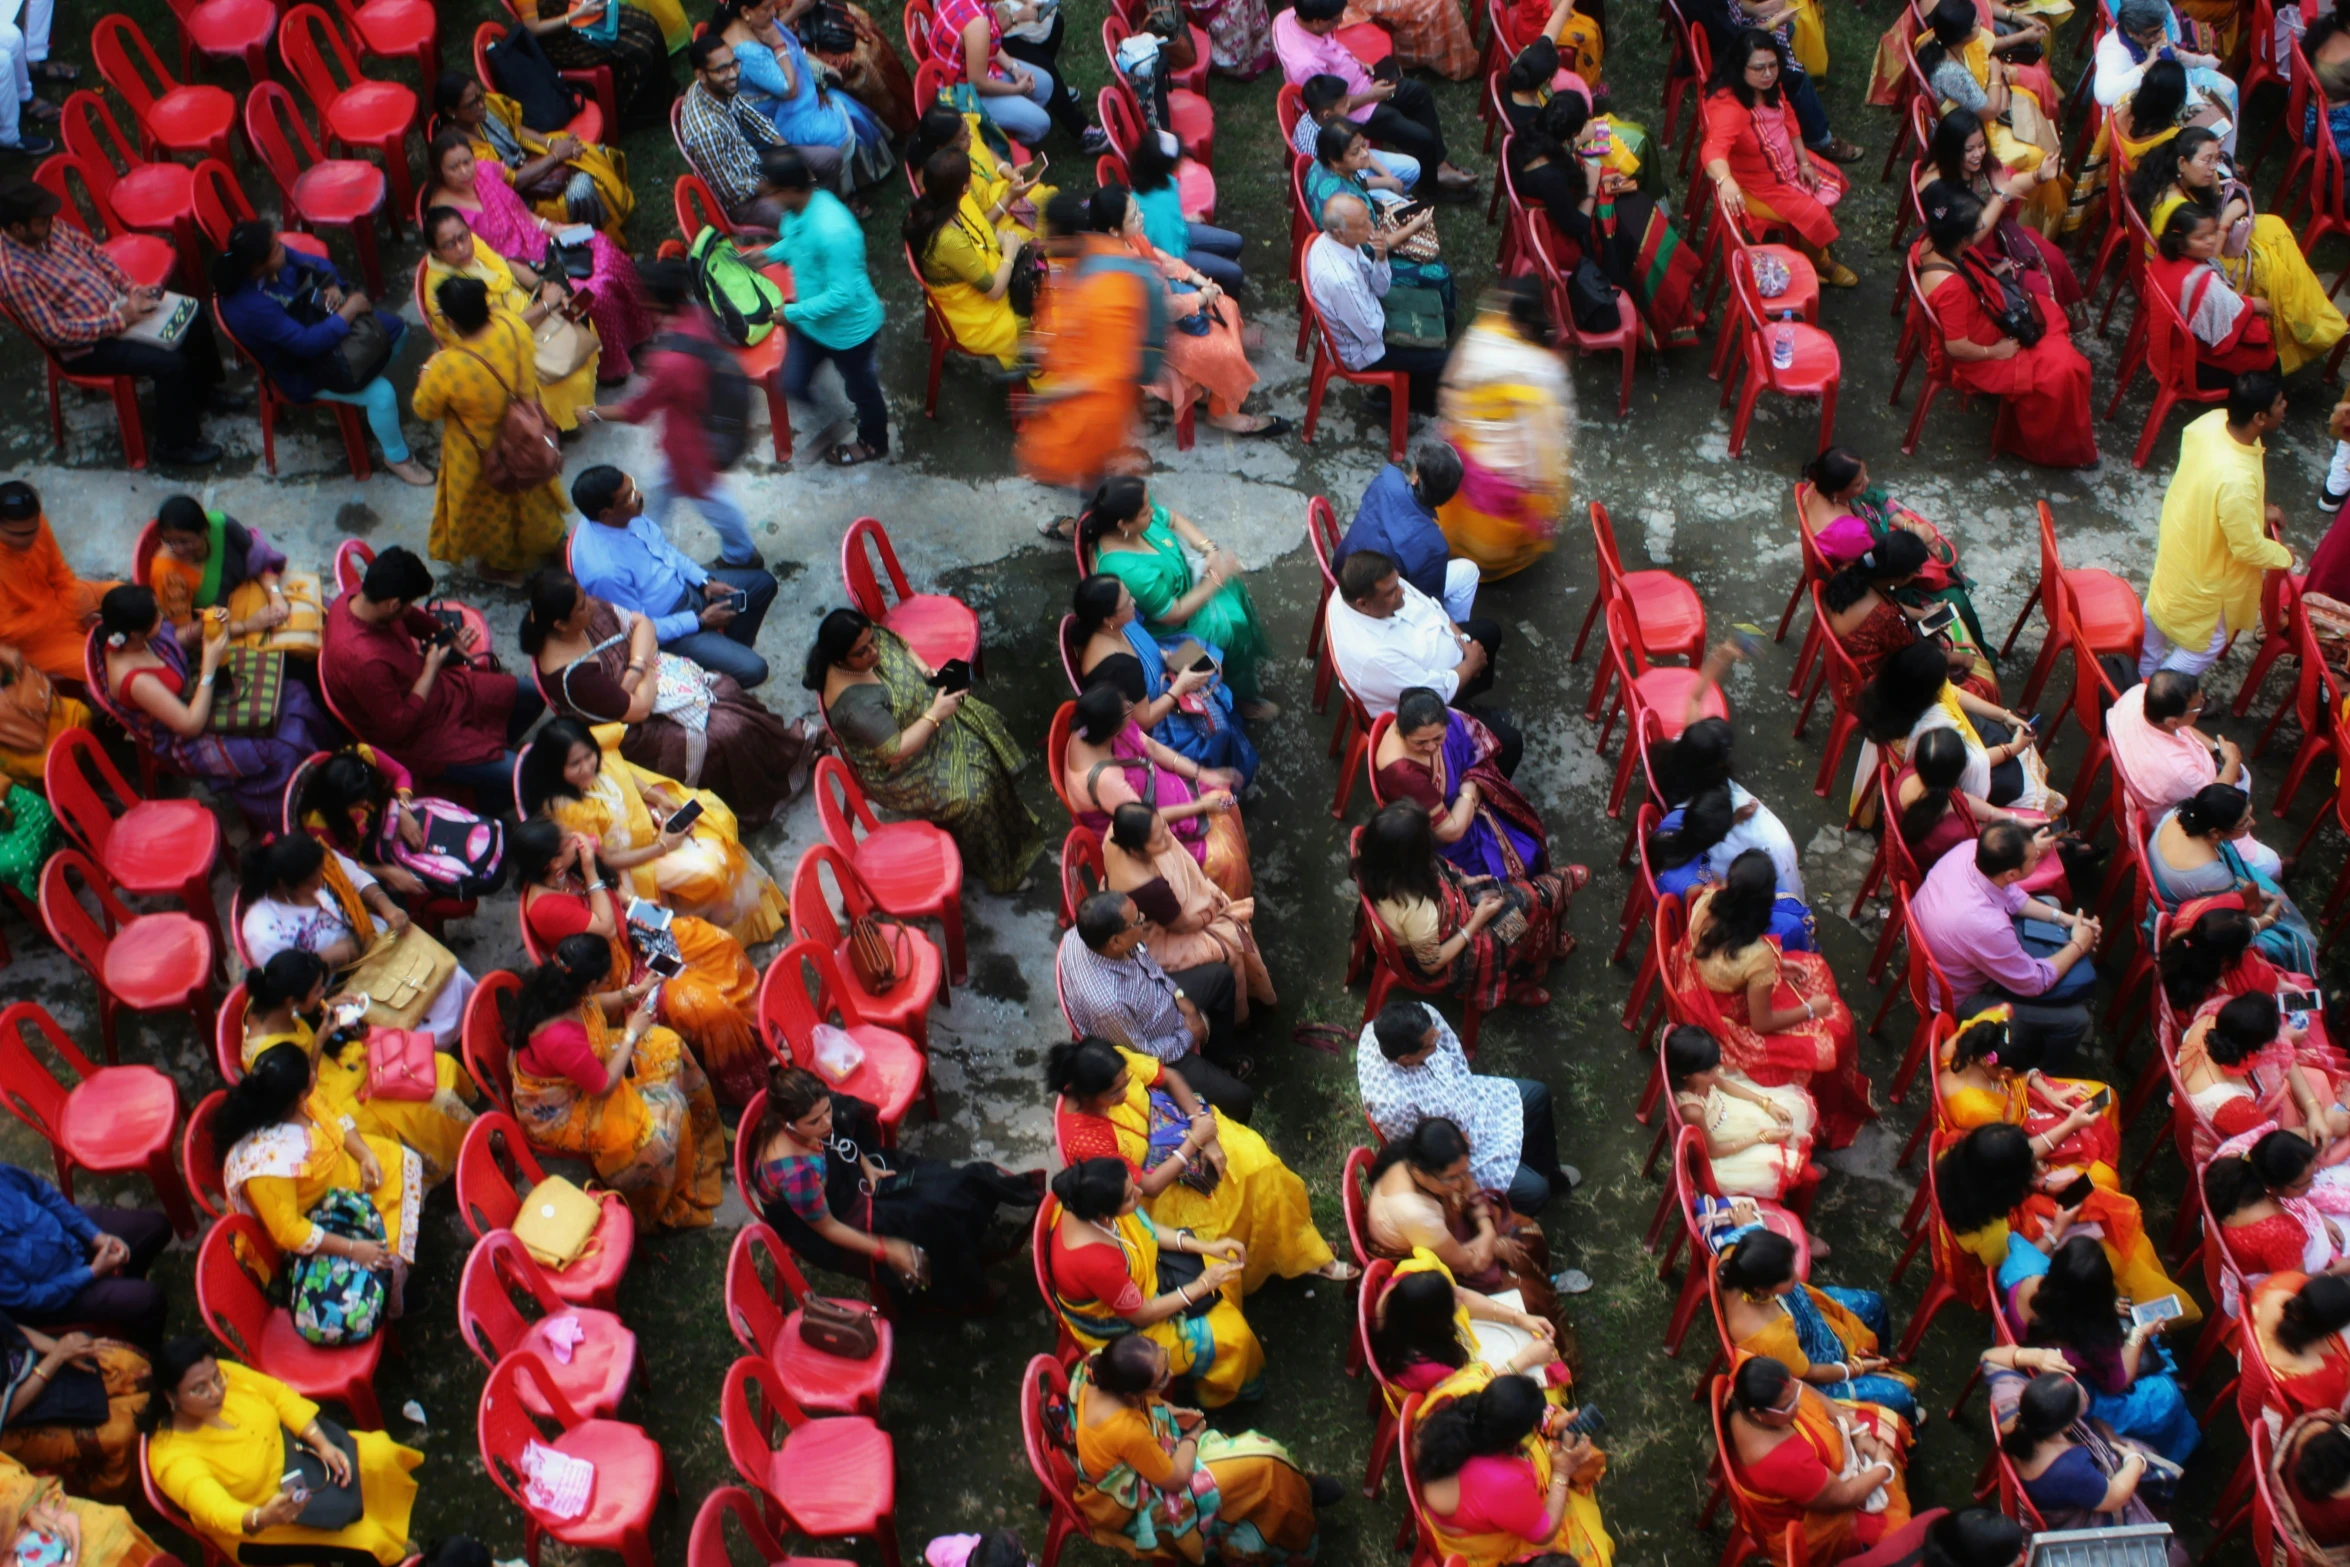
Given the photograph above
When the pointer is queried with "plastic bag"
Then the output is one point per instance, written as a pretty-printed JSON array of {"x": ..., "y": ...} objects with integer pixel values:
[{"x": 836, "y": 1055}]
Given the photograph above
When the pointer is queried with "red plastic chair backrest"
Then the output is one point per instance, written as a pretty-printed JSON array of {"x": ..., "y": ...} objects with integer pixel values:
[
  {"x": 1083, "y": 872},
  {"x": 930, "y": 81},
  {"x": 789, "y": 1011},
  {"x": 746, "y": 1147},
  {"x": 1379, "y": 728},
  {"x": 1407, "y": 1423},
  {"x": 492, "y": 1161},
  {"x": 1900, "y": 863},
  {"x": 201, "y": 1155},
  {"x": 1623, "y": 650},
  {"x": 1354, "y": 1202},
  {"x": 228, "y": 1035},
  {"x": 1121, "y": 120},
  {"x": 482, "y": 1038},
  {"x": 93, "y": 136},
  {"x": 917, "y": 22},
  {"x": 1325, "y": 538},
  {"x": 1603, "y": 540},
  {"x": 2171, "y": 350},
  {"x": 757, "y": 1306},
  {"x": 233, "y": 1301},
  {"x": 1815, "y": 564},
  {"x": 705, "y": 1544},
  {"x": 487, "y": 1318},
  {"x": 697, "y": 208},
  {"x": 1289, "y": 107},
  {"x": 1844, "y": 677},
  {"x": 856, "y": 568},
  {"x": 354, "y": 556},
  {"x": 113, "y": 41},
  {"x": 81, "y": 808},
  {"x": 296, "y": 781},
  {"x": 485, "y": 35},
  {"x": 1044, "y": 1382},
  {"x": 85, "y": 209},
  {"x": 318, "y": 54},
  {"x": 279, "y": 136},
  {"x": 84, "y": 936},
  {"x": 1648, "y": 731},
  {"x": 812, "y": 918},
  {"x": 504, "y": 1425},
  {"x": 756, "y": 1413},
  {"x": 1071, "y": 642},
  {"x": 2268, "y": 1543},
  {"x": 841, "y": 808},
  {"x": 1056, "y": 754},
  {"x": 1930, "y": 989},
  {"x": 34, "y": 1090},
  {"x": 1378, "y": 1273}
]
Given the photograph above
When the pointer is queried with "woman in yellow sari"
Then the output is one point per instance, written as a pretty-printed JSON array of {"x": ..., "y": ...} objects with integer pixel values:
[
  {"x": 1423, "y": 1329},
  {"x": 539, "y": 304},
  {"x": 1010, "y": 193},
  {"x": 1104, "y": 1263},
  {"x": 289, "y": 1149},
  {"x": 2263, "y": 261},
  {"x": 207, "y": 559},
  {"x": 713, "y": 1004},
  {"x": 1154, "y": 1481},
  {"x": 1116, "y": 1104},
  {"x": 965, "y": 248},
  {"x": 562, "y": 178},
  {"x": 221, "y": 1451},
  {"x": 631, "y": 1100},
  {"x": 2136, "y": 126},
  {"x": 1828, "y": 1337},
  {"x": 96, "y": 1535},
  {"x": 1509, "y": 410},
  {"x": 1988, "y": 1073},
  {"x": 577, "y": 777},
  {"x": 1494, "y": 1487},
  {"x": 1192, "y": 920}
]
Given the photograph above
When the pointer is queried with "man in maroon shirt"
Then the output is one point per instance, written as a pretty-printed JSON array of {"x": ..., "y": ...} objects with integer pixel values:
[
  {"x": 414, "y": 695},
  {"x": 677, "y": 366}
]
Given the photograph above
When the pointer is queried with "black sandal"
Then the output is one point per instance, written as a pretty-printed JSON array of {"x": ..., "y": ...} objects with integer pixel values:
[{"x": 851, "y": 454}]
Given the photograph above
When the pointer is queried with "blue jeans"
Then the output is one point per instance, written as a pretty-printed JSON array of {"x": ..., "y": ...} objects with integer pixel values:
[
  {"x": 380, "y": 401},
  {"x": 729, "y": 652},
  {"x": 1811, "y": 115},
  {"x": 718, "y": 509},
  {"x": 802, "y": 354},
  {"x": 492, "y": 781},
  {"x": 1024, "y": 118},
  {"x": 1211, "y": 253},
  {"x": 1538, "y": 1148}
]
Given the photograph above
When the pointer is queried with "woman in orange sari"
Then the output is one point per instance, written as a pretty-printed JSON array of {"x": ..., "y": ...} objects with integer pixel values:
[
  {"x": 1834, "y": 1469},
  {"x": 1776, "y": 1014},
  {"x": 1111, "y": 762},
  {"x": 1192, "y": 920},
  {"x": 1092, "y": 317},
  {"x": 1988, "y": 1073}
]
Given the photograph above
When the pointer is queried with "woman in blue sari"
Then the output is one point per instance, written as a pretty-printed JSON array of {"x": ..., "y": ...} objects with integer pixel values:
[
  {"x": 1694, "y": 845},
  {"x": 1829, "y": 1337},
  {"x": 1190, "y": 711},
  {"x": 2192, "y": 854},
  {"x": 1445, "y": 762},
  {"x": 800, "y": 96}
]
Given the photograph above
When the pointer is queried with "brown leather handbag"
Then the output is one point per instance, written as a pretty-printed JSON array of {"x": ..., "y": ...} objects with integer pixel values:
[
  {"x": 877, "y": 952},
  {"x": 524, "y": 453},
  {"x": 839, "y": 1327}
]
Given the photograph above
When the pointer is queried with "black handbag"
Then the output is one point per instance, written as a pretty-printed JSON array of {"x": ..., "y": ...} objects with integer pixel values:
[
  {"x": 1180, "y": 1268},
  {"x": 330, "y": 1506},
  {"x": 1591, "y": 298},
  {"x": 2014, "y": 313},
  {"x": 826, "y": 29},
  {"x": 1028, "y": 274},
  {"x": 576, "y": 262},
  {"x": 359, "y": 358},
  {"x": 521, "y": 70}
]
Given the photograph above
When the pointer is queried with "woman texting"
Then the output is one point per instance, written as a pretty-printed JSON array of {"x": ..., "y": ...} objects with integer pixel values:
[
  {"x": 1481, "y": 937},
  {"x": 1188, "y": 709},
  {"x": 2076, "y": 1308}
]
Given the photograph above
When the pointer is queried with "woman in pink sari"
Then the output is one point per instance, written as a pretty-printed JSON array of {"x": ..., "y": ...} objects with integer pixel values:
[
  {"x": 1192, "y": 920},
  {"x": 501, "y": 220},
  {"x": 1111, "y": 762}
]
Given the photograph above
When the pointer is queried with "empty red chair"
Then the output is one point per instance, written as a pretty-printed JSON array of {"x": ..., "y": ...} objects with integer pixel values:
[
  {"x": 152, "y": 197},
  {"x": 937, "y": 626},
  {"x": 706, "y": 1545},
  {"x": 1668, "y": 618},
  {"x": 603, "y": 1361},
  {"x": 830, "y": 1479},
  {"x": 1814, "y": 368},
  {"x": 630, "y": 1472},
  {"x": 913, "y": 869},
  {"x": 354, "y": 109},
  {"x": 194, "y": 117},
  {"x": 894, "y": 1069},
  {"x": 107, "y": 1119},
  {"x": 226, "y": 30},
  {"x": 147, "y": 962},
  {"x": 396, "y": 30},
  {"x": 765, "y": 1314},
  {"x": 921, "y": 972},
  {"x": 319, "y": 192},
  {"x": 490, "y": 1197},
  {"x": 150, "y": 259},
  {"x": 153, "y": 848},
  {"x": 2101, "y": 607},
  {"x": 235, "y": 1306}
]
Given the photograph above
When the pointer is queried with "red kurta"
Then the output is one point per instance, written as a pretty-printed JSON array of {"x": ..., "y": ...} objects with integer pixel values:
[
  {"x": 1730, "y": 134},
  {"x": 462, "y": 719},
  {"x": 2044, "y": 414}
]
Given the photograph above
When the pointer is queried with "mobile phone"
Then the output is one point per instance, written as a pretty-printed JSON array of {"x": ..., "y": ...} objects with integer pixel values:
[
  {"x": 2299, "y": 1001},
  {"x": 2100, "y": 1099},
  {"x": 652, "y": 916},
  {"x": 739, "y": 601},
  {"x": 294, "y": 1485},
  {"x": 666, "y": 964},
  {"x": 2076, "y": 1194},
  {"x": 1936, "y": 620},
  {"x": 1203, "y": 664},
  {"x": 687, "y": 814},
  {"x": 2032, "y": 722},
  {"x": 1588, "y": 1421},
  {"x": 953, "y": 675},
  {"x": 2160, "y": 1309},
  {"x": 353, "y": 1010}
]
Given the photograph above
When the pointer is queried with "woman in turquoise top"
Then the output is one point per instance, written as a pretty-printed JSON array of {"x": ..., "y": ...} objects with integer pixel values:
[
  {"x": 1205, "y": 248},
  {"x": 1342, "y": 166},
  {"x": 782, "y": 83},
  {"x": 1144, "y": 545}
]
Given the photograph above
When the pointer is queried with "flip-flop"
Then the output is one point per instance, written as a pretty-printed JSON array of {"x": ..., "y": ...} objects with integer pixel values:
[
  {"x": 843, "y": 455},
  {"x": 54, "y": 71}
]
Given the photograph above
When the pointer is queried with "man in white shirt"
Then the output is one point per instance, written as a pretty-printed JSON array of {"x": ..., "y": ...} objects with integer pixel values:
[
  {"x": 1387, "y": 637},
  {"x": 1409, "y": 1067},
  {"x": 1348, "y": 276}
]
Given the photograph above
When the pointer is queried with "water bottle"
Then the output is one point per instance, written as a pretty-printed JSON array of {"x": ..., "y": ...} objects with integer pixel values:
[{"x": 1782, "y": 346}]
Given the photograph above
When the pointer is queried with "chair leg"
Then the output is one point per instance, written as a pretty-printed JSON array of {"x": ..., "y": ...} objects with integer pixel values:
[
  {"x": 1937, "y": 1296},
  {"x": 1382, "y": 1449},
  {"x": 163, "y": 1174},
  {"x": 951, "y": 917}
]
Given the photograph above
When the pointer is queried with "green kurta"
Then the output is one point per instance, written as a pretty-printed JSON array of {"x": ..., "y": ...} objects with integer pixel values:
[{"x": 1161, "y": 574}]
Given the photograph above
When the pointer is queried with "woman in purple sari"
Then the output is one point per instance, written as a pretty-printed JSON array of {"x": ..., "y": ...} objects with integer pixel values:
[
  {"x": 1110, "y": 761},
  {"x": 1443, "y": 761},
  {"x": 502, "y": 221}
]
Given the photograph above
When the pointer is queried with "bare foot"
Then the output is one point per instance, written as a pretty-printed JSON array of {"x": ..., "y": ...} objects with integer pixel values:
[{"x": 411, "y": 472}]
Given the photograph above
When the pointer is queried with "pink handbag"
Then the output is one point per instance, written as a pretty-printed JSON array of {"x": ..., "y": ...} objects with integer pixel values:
[{"x": 400, "y": 1064}]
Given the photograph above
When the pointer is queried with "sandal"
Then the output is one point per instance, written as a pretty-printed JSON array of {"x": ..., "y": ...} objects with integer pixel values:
[
  {"x": 1338, "y": 1271},
  {"x": 54, "y": 71},
  {"x": 850, "y": 454},
  {"x": 1577, "y": 878},
  {"x": 1063, "y": 528}
]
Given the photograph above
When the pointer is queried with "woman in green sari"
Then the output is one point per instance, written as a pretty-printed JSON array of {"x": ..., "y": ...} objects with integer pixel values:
[
  {"x": 939, "y": 756},
  {"x": 1150, "y": 549}
]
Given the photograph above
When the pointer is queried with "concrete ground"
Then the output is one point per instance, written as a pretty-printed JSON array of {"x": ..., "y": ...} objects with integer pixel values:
[{"x": 962, "y": 522}]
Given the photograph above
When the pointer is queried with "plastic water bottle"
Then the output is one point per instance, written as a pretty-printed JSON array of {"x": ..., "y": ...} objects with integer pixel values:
[{"x": 1782, "y": 346}]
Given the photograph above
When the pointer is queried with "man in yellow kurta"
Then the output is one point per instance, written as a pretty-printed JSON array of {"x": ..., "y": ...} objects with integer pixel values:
[
  {"x": 45, "y": 610},
  {"x": 2213, "y": 551}
]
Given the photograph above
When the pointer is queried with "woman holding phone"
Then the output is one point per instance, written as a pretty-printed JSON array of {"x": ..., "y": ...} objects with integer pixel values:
[
  {"x": 2077, "y": 1308},
  {"x": 1989, "y": 1072}
]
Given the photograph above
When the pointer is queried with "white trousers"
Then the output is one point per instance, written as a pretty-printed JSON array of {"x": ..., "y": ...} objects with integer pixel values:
[
  {"x": 24, "y": 42},
  {"x": 1460, "y": 588},
  {"x": 2157, "y": 652}
]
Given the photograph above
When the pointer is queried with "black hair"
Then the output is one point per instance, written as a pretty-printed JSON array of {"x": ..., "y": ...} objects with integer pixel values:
[
  {"x": 1904, "y": 686},
  {"x": 1435, "y": 1145},
  {"x": 179, "y": 1356},
  {"x": 1522, "y": 302},
  {"x": 2076, "y": 1303},
  {"x": 1974, "y": 1537},
  {"x": 941, "y": 123},
  {"x": 1983, "y": 1037},
  {"x": 793, "y": 1093},
  {"x": 2159, "y": 170},
  {"x": 541, "y": 770},
  {"x": 835, "y": 635},
  {"x": 2319, "y": 1309},
  {"x": 554, "y": 597},
  {"x": 271, "y": 1089},
  {"x": 281, "y": 860},
  {"x": 1105, "y": 209},
  {"x": 182, "y": 514},
  {"x": 1320, "y": 10},
  {"x": 1415, "y": 1322},
  {"x": 1705, "y": 822},
  {"x": 1688, "y": 1051},
  {"x": 1953, "y": 215},
  {"x": 1123, "y": 673},
  {"x": 998, "y": 1548},
  {"x": 555, "y": 988},
  {"x": 1082, "y": 1068},
  {"x": 1837, "y": 469},
  {"x": 595, "y": 489},
  {"x": 1740, "y": 909},
  {"x": 1360, "y": 574},
  {"x": 448, "y": 91},
  {"x": 466, "y": 302},
  {"x": 1899, "y": 555},
  {"x": 533, "y": 847},
  {"x": 1332, "y": 141},
  {"x": 698, "y": 52},
  {"x": 1101, "y": 917},
  {"x": 289, "y": 976},
  {"x": 1116, "y": 500},
  {"x": 2244, "y": 1026},
  {"x": 129, "y": 610},
  {"x": 1101, "y": 712},
  {"x": 1939, "y": 755},
  {"x": 1402, "y": 1027},
  {"x": 2253, "y": 394},
  {"x": 1321, "y": 90},
  {"x": 1485, "y": 1424},
  {"x": 785, "y": 169},
  {"x": 2160, "y": 99},
  {"x": 2321, "y": 1464},
  {"x": 1397, "y": 859},
  {"x": 1130, "y": 826},
  {"x": 1064, "y": 214},
  {"x": 1946, "y": 151},
  {"x": 2168, "y": 694},
  {"x": 1092, "y": 1188},
  {"x": 1984, "y": 1176},
  {"x": 246, "y": 252},
  {"x": 2214, "y": 808},
  {"x": 1418, "y": 708},
  {"x": 1951, "y": 22},
  {"x": 1150, "y": 166},
  {"x": 1125, "y": 1365},
  {"x": 438, "y": 217},
  {"x": 344, "y": 782},
  {"x": 946, "y": 174},
  {"x": 1759, "y": 1384},
  {"x": 396, "y": 576},
  {"x": 2180, "y": 227},
  {"x": 2281, "y": 1158},
  {"x": 1095, "y": 600},
  {"x": 2047, "y": 1407},
  {"x": 1533, "y": 67},
  {"x": 1436, "y": 472},
  {"x": 1762, "y": 1260},
  {"x": 2193, "y": 959},
  {"x": 2229, "y": 1183},
  {"x": 2001, "y": 847},
  {"x": 19, "y": 500},
  {"x": 1696, "y": 760},
  {"x": 1730, "y": 67}
]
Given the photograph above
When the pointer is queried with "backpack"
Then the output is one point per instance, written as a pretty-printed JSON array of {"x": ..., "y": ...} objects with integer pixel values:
[
  {"x": 1154, "y": 290},
  {"x": 745, "y": 300},
  {"x": 523, "y": 453},
  {"x": 727, "y": 415}
]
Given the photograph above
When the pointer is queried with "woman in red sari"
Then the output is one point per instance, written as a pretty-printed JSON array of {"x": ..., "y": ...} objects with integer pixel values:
[
  {"x": 1755, "y": 155},
  {"x": 1483, "y": 938},
  {"x": 1776, "y": 1014},
  {"x": 2241, "y": 1062},
  {"x": 2296, "y": 1322},
  {"x": 1979, "y": 308},
  {"x": 1833, "y": 1469},
  {"x": 2209, "y": 955},
  {"x": 2232, "y": 332}
]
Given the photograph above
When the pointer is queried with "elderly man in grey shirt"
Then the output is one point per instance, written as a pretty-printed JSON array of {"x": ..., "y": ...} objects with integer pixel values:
[{"x": 1110, "y": 985}]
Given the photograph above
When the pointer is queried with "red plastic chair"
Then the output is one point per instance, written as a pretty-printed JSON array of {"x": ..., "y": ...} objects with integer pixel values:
[
  {"x": 921, "y": 980},
  {"x": 152, "y": 197},
  {"x": 598, "y": 82},
  {"x": 228, "y": 1035},
  {"x": 1082, "y": 871},
  {"x": 123, "y": 389},
  {"x": 221, "y": 204},
  {"x": 1326, "y": 364},
  {"x": 166, "y": 1510},
  {"x": 1922, "y": 334},
  {"x": 147, "y": 962},
  {"x": 235, "y": 1306},
  {"x": 481, "y": 1038},
  {"x": 1195, "y": 182},
  {"x": 488, "y": 1199},
  {"x": 1530, "y": 243},
  {"x": 939, "y": 333},
  {"x": 2089, "y": 600},
  {"x": 2323, "y": 190},
  {"x": 1668, "y": 618},
  {"x": 226, "y": 30},
  {"x": 765, "y": 1314},
  {"x": 354, "y": 109},
  {"x": 1816, "y": 371},
  {"x": 2171, "y": 352},
  {"x": 1843, "y": 681},
  {"x": 602, "y": 1364},
  {"x": 596, "y": 89},
  {"x": 937, "y": 626},
  {"x": 318, "y": 191},
  {"x": 150, "y": 259},
  {"x": 1044, "y": 1406},
  {"x": 698, "y": 208},
  {"x": 154, "y": 848},
  {"x": 912, "y": 868},
  {"x": 1189, "y": 115},
  {"x": 201, "y": 1156},
  {"x": 1323, "y": 537},
  {"x": 1640, "y": 687},
  {"x": 1384, "y": 1397},
  {"x": 1194, "y": 79},
  {"x": 396, "y": 30},
  {"x": 631, "y": 1472},
  {"x": 829, "y": 1479},
  {"x": 350, "y": 424},
  {"x": 706, "y": 1545},
  {"x": 108, "y": 1119},
  {"x": 894, "y": 1069},
  {"x": 193, "y": 117},
  {"x": 1389, "y": 970},
  {"x": 1748, "y": 1536}
]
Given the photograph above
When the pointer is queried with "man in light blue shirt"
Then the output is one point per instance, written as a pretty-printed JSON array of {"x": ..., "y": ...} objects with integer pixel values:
[
  {"x": 834, "y": 313},
  {"x": 621, "y": 557}
]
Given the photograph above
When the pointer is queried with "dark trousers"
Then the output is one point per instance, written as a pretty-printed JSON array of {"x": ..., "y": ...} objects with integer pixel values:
[
  {"x": 1066, "y": 108},
  {"x": 1538, "y": 1149},
  {"x": 492, "y": 782},
  {"x": 1210, "y": 988},
  {"x": 2058, "y": 1017},
  {"x": 123, "y": 1304},
  {"x": 1423, "y": 365},
  {"x": 181, "y": 375},
  {"x": 1811, "y": 115},
  {"x": 1407, "y": 122},
  {"x": 728, "y": 652},
  {"x": 802, "y": 354}
]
